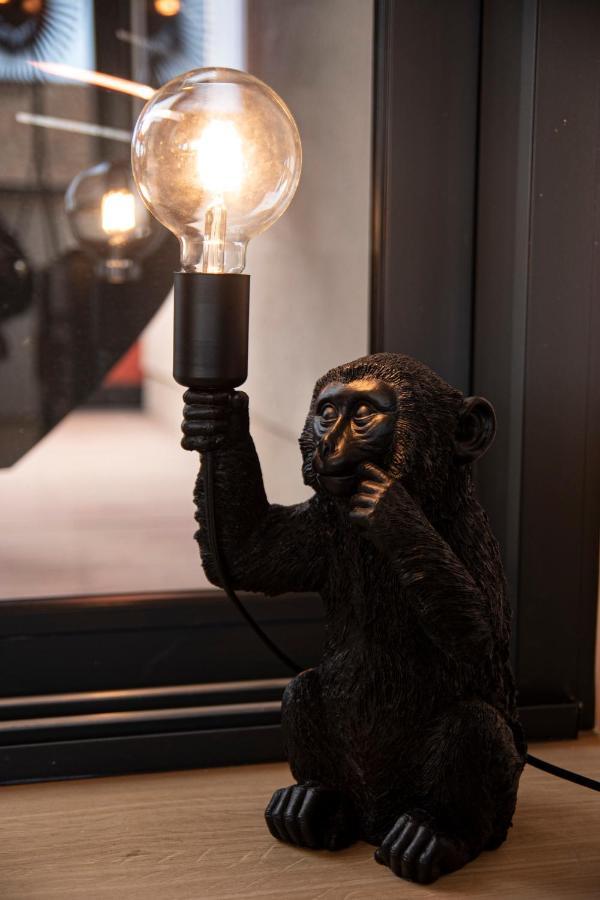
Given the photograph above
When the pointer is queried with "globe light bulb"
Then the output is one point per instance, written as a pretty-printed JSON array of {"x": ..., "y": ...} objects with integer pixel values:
[
  {"x": 118, "y": 214},
  {"x": 167, "y": 7},
  {"x": 216, "y": 156},
  {"x": 109, "y": 220}
]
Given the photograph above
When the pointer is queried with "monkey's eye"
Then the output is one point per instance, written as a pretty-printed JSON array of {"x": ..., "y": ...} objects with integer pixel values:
[
  {"x": 328, "y": 413},
  {"x": 363, "y": 413}
]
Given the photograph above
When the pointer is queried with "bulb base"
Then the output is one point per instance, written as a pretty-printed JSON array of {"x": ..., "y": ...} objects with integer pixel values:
[
  {"x": 118, "y": 271},
  {"x": 210, "y": 336}
]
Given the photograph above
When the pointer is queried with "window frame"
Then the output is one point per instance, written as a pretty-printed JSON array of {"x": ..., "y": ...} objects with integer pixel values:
[
  {"x": 531, "y": 59},
  {"x": 116, "y": 647}
]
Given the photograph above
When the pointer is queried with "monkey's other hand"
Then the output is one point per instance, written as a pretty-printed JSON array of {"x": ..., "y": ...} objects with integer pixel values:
[
  {"x": 373, "y": 486},
  {"x": 213, "y": 419}
]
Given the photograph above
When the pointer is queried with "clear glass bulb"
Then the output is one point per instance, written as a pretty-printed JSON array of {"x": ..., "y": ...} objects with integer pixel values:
[
  {"x": 117, "y": 213},
  {"x": 108, "y": 219},
  {"x": 216, "y": 156}
]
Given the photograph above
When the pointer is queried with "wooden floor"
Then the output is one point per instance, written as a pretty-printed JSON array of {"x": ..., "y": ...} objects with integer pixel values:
[{"x": 191, "y": 835}]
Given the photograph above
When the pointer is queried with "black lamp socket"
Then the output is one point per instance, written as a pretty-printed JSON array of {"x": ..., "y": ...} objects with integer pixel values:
[{"x": 210, "y": 338}]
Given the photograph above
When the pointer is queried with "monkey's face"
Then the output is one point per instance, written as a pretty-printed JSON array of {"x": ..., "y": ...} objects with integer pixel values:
[
  {"x": 353, "y": 424},
  {"x": 394, "y": 412}
]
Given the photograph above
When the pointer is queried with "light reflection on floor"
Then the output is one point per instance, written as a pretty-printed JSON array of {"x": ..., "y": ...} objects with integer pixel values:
[{"x": 103, "y": 504}]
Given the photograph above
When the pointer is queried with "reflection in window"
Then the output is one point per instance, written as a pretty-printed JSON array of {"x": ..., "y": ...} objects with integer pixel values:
[
  {"x": 102, "y": 502},
  {"x": 94, "y": 489}
]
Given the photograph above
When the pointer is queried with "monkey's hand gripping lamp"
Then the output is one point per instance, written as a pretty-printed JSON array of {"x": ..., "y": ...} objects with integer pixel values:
[{"x": 216, "y": 156}]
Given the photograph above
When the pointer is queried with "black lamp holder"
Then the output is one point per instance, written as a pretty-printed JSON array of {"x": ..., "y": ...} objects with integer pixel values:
[{"x": 211, "y": 330}]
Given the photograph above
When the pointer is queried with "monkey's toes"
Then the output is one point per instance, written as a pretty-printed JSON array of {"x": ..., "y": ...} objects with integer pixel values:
[
  {"x": 309, "y": 815},
  {"x": 414, "y": 850}
]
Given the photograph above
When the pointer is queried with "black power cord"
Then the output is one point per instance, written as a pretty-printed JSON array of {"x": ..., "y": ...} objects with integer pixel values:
[
  {"x": 209, "y": 493},
  {"x": 208, "y": 477},
  {"x": 559, "y": 772}
]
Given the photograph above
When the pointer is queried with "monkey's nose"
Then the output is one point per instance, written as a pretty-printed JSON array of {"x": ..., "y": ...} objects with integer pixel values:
[{"x": 326, "y": 448}]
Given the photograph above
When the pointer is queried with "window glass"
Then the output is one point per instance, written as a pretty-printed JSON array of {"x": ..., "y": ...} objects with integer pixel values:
[{"x": 95, "y": 491}]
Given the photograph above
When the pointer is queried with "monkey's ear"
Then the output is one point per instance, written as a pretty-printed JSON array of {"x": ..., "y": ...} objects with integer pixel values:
[{"x": 475, "y": 430}]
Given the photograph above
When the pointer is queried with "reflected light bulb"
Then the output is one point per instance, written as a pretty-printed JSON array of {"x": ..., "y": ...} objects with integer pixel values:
[
  {"x": 117, "y": 213},
  {"x": 167, "y": 7},
  {"x": 109, "y": 220},
  {"x": 216, "y": 156}
]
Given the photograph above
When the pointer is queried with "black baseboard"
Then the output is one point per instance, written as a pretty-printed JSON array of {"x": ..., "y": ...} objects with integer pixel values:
[
  {"x": 91, "y": 734},
  {"x": 150, "y": 730},
  {"x": 550, "y": 721},
  {"x": 136, "y": 683},
  {"x": 127, "y": 755}
]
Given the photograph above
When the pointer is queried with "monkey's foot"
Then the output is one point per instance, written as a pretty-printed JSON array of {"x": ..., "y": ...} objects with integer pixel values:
[
  {"x": 310, "y": 815},
  {"x": 415, "y": 850}
]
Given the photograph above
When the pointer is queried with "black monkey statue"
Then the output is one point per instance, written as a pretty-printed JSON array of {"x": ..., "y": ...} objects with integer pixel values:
[{"x": 406, "y": 733}]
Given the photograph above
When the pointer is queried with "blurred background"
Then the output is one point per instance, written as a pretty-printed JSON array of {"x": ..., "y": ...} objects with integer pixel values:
[{"x": 95, "y": 492}]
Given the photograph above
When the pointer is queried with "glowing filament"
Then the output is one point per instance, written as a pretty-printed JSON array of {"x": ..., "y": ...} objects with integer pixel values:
[
  {"x": 213, "y": 245},
  {"x": 220, "y": 158},
  {"x": 220, "y": 167},
  {"x": 118, "y": 213}
]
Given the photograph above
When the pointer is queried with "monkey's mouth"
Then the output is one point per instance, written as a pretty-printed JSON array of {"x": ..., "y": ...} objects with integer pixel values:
[
  {"x": 338, "y": 485},
  {"x": 339, "y": 481}
]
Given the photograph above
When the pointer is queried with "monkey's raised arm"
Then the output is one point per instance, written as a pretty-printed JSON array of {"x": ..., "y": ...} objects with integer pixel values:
[
  {"x": 450, "y": 606},
  {"x": 265, "y": 548}
]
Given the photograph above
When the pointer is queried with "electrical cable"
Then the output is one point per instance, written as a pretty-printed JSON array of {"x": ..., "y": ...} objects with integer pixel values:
[
  {"x": 559, "y": 772},
  {"x": 209, "y": 492}
]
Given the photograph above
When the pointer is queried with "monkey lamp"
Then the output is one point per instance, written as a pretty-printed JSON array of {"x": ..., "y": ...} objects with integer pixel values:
[
  {"x": 216, "y": 156},
  {"x": 406, "y": 733}
]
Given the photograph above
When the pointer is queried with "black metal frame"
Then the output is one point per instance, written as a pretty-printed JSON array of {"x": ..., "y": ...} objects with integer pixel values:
[
  {"x": 201, "y": 689},
  {"x": 425, "y": 112},
  {"x": 524, "y": 289},
  {"x": 537, "y": 338},
  {"x": 137, "y": 641},
  {"x": 112, "y": 732},
  {"x": 105, "y": 684}
]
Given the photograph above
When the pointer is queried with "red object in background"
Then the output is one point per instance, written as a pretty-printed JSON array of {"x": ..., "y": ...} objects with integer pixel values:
[{"x": 127, "y": 371}]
